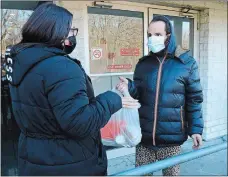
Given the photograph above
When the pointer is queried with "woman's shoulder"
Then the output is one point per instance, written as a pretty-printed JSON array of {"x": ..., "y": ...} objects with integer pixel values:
[
  {"x": 61, "y": 67},
  {"x": 60, "y": 61}
]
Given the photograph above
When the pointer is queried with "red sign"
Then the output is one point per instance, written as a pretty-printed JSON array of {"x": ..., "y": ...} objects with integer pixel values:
[
  {"x": 125, "y": 66},
  {"x": 129, "y": 52}
]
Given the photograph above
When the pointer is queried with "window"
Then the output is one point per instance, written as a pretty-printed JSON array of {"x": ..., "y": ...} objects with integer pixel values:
[{"x": 115, "y": 40}]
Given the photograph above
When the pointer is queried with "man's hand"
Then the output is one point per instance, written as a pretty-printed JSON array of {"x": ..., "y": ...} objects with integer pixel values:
[
  {"x": 122, "y": 79},
  {"x": 123, "y": 85},
  {"x": 197, "y": 141}
]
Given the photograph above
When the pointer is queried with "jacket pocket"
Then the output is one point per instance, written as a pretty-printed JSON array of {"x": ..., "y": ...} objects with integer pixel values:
[{"x": 182, "y": 118}]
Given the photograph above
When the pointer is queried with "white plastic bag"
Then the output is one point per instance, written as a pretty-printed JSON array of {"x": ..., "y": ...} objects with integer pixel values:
[{"x": 123, "y": 129}]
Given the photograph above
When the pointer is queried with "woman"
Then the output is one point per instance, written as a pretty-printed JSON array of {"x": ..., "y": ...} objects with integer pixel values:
[
  {"x": 53, "y": 100},
  {"x": 167, "y": 84}
]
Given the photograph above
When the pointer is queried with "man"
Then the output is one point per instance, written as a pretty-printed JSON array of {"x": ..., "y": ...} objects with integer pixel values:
[{"x": 167, "y": 84}]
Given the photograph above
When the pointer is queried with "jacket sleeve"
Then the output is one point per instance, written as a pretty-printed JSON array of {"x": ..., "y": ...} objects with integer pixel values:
[
  {"x": 134, "y": 86},
  {"x": 194, "y": 99},
  {"x": 76, "y": 114}
]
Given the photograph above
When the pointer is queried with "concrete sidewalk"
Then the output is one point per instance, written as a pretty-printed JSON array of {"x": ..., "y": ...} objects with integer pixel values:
[{"x": 211, "y": 165}]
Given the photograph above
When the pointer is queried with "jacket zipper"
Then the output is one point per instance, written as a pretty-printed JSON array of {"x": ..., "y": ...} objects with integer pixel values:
[
  {"x": 182, "y": 119},
  {"x": 157, "y": 97}
]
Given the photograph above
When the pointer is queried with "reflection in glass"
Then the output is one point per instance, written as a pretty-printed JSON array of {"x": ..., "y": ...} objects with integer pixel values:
[
  {"x": 185, "y": 35},
  {"x": 172, "y": 22}
]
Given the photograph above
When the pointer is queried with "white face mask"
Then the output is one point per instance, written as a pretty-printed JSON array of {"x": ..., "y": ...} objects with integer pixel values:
[{"x": 156, "y": 43}]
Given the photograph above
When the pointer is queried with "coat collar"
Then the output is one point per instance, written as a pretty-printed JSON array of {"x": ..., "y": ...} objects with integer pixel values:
[{"x": 181, "y": 54}]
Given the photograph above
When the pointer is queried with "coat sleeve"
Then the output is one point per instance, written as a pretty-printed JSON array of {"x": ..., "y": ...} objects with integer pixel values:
[
  {"x": 76, "y": 114},
  {"x": 134, "y": 86},
  {"x": 194, "y": 99}
]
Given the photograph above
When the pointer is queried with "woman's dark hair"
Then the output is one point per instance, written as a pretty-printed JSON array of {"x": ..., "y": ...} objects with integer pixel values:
[
  {"x": 49, "y": 24},
  {"x": 165, "y": 20}
]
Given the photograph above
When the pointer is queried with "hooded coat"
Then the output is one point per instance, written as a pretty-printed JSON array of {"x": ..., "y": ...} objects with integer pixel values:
[
  {"x": 58, "y": 115},
  {"x": 170, "y": 94}
]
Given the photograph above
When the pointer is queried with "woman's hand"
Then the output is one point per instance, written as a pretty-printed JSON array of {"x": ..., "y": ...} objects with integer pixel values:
[{"x": 129, "y": 102}]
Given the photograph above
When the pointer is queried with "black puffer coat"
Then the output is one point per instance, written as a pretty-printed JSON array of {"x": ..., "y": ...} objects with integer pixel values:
[
  {"x": 171, "y": 95},
  {"x": 59, "y": 117}
]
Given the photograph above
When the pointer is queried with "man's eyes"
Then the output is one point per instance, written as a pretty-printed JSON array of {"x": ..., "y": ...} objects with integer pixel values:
[{"x": 156, "y": 34}]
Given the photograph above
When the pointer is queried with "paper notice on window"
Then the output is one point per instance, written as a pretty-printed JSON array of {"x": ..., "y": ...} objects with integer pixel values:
[
  {"x": 96, "y": 53},
  {"x": 185, "y": 35}
]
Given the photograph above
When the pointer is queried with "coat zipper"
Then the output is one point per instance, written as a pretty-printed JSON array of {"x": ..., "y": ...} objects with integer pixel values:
[
  {"x": 157, "y": 97},
  {"x": 182, "y": 120}
]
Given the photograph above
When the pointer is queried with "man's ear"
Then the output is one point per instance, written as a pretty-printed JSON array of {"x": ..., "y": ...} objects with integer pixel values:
[
  {"x": 167, "y": 39},
  {"x": 167, "y": 36}
]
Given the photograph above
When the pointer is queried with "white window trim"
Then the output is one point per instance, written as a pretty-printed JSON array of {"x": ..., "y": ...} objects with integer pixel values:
[
  {"x": 111, "y": 74},
  {"x": 86, "y": 38}
]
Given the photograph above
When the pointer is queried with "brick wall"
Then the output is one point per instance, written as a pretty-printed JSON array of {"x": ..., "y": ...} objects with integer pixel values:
[
  {"x": 203, "y": 59},
  {"x": 213, "y": 65}
]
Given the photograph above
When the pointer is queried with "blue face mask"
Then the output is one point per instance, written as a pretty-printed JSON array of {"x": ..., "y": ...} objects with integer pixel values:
[{"x": 156, "y": 43}]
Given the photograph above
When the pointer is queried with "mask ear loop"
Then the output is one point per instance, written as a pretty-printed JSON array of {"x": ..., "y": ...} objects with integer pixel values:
[{"x": 63, "y": 43}]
